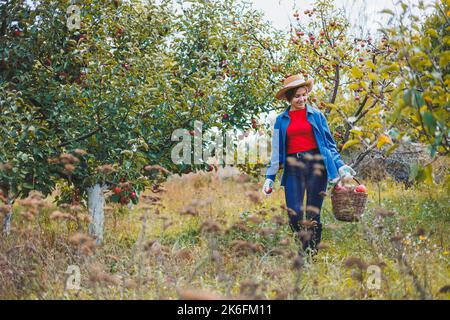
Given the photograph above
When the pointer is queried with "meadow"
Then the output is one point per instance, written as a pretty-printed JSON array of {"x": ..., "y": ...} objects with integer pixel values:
[{"x": 214, "y": 235}]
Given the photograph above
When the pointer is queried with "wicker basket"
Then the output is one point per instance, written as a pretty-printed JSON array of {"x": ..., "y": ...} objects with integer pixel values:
[{"x": 348, "y": 205}]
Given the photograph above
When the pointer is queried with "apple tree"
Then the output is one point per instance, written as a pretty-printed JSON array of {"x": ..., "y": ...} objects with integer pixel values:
[
  {"x": 218, "y": 71},
  {"x": 101, "y": 88},
  {"x": 73, "y": 82},
  {"x": 351, "y": 85},
  {"x": 420, "y": 37}
]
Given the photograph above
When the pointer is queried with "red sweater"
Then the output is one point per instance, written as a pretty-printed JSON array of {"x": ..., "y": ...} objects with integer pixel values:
[{"x": 299, "y": 134}]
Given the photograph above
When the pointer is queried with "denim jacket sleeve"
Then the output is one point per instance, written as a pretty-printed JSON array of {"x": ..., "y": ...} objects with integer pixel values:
[
  {"x": 277, "y": 151},
  {"x": 329, "y": 141}
]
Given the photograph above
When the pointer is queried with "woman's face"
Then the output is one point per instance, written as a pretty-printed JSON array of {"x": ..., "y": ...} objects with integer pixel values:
[{"x": 299, "y": 99}]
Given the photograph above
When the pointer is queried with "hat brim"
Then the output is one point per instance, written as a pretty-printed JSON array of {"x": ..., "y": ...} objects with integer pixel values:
[{"x": 295, "y": 84}]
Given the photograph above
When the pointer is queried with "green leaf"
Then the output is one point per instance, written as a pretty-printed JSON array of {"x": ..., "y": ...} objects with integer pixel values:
[
  {"x": 356, "y": 131},
  {"x": 407, "y": 97},
  {"x": 387, "y": 11},
  {"x": 428, "y": 174},
  {"x": 370, "y": 64},
  {"x": 432, "y": 32},
  {"x": 444, "y": 59},
  {"x": 392, "y": 148},
  {"x": 414, "y": 171},
  {"x": 353, "y": 86},
  {"x": 350, "y": 143},
  {"x": 373, "y": 76},
  {"x": 418, "y": 100},
  {"x": 357, "y": 73},
  {"x": 429, "y": 121},
  {"x": 27, "y": 185}
]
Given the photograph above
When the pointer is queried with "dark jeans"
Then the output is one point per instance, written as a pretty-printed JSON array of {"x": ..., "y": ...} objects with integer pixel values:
[{"x": 305, "y": 171}]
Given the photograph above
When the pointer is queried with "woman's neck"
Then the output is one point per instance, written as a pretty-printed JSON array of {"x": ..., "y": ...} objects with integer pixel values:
[{"x": 298, "y": 108}]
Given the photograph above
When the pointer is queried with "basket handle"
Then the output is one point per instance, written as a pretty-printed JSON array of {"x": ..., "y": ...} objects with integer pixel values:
[{"x": 340, "y": 178}]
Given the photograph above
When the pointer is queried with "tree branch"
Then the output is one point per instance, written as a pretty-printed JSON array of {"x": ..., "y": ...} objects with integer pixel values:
[{"x": 84, "y": 136}]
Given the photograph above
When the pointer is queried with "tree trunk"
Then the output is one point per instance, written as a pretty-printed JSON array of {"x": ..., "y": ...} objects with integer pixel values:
[
  {"x": 7, "y": 223},
  {"x": 96, "y": 204}
]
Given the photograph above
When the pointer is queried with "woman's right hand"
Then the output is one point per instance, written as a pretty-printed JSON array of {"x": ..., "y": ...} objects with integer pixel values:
[{"x": 268, "y": 187}]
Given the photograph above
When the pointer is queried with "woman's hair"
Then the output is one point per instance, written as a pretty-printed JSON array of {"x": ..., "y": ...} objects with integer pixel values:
[{"x": 290, "y": 93}]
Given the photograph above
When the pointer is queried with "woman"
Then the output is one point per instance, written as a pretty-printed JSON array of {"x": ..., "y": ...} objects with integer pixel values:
[{"x": 303, "y": 145}]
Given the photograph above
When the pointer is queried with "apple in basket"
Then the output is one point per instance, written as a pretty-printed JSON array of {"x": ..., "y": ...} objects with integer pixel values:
[
  {"x": 339, "y": 188},
  {"x": 361, "y": 188}
]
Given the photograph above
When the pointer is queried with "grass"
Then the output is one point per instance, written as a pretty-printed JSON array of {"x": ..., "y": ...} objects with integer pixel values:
[{"x": 215, "y": 237}]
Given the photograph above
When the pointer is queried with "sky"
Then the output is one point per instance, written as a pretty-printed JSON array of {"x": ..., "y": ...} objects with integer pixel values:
[{"x": 359, "y": 12}]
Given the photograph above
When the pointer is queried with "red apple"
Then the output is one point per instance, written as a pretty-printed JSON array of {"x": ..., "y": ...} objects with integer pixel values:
[
  {"x": 133, "y": 195},
  {"x": 254, "y": 126},
  {"x": 17, "y": 33},
  {"x": 361, "y": 188},
  {"x": 123, "y": 200},
  {"x": 225, "y": 116},
  {"x": 117, "y": 190},
  {"x": 269, "y": 190}
]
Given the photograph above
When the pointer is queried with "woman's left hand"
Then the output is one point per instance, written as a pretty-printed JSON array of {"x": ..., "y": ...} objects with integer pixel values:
[{"x": 346, "y": 171}]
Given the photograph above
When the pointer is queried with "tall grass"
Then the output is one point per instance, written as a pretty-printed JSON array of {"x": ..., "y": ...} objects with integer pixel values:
[{"x": 209, "y": 235}]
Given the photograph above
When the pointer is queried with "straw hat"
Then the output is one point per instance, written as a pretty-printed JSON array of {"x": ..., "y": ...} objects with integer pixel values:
[{"x": 292, "y": 82}]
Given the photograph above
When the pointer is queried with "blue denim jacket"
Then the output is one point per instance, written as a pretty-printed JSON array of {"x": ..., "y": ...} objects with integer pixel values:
[{"x": 324, "y": 139}]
